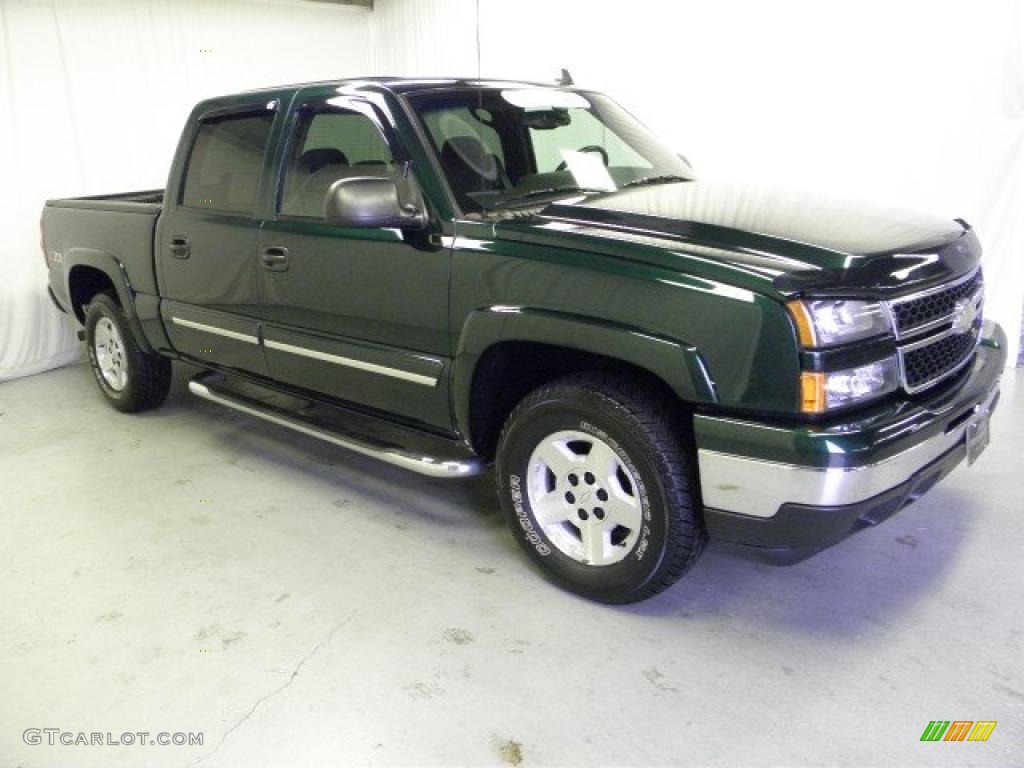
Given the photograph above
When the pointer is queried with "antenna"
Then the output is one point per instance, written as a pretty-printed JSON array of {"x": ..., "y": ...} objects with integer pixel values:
[
  {"x": 565, "y": 78},
  {"x": 480, "y": 89},
  {"x": 478, "y": 72}
]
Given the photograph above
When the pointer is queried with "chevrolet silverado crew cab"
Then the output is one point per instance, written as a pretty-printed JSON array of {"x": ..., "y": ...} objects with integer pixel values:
[{"x": 443, "y": 274}]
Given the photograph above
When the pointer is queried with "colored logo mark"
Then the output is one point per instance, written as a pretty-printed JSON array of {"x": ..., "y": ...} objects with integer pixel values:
[{"x": 958, "y": 730}]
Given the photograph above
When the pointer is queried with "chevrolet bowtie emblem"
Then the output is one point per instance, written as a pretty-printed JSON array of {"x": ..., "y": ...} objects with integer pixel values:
[{"x": 965, "y": 312}]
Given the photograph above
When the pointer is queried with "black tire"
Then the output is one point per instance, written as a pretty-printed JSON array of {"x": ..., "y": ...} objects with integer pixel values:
[
  {"x": 654, "y": 450},
  {"x": 147, "y": 377}
]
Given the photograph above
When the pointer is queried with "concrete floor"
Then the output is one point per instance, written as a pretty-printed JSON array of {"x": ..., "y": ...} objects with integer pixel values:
[{"x": 193, "y": 570}]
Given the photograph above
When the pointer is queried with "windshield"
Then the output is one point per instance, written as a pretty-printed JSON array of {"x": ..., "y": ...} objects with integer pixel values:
[{"x": 525, "y": 146}]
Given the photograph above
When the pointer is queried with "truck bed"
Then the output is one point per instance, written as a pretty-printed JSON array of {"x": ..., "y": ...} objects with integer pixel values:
[
  {"x": 113, "y": 232},
  {"x": 146, "y": 201}
]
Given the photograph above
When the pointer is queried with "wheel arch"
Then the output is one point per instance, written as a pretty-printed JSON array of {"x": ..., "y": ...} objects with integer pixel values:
[
  {"x": 91, "y": 271},
  {"x": 506, "y": 352}
]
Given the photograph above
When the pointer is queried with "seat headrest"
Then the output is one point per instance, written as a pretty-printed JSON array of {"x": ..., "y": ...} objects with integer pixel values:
[
  {"x": 312, "y": 160},
  {"x": 468, "y": 151}
]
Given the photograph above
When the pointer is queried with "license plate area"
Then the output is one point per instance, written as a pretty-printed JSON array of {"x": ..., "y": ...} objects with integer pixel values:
[{"x": 977, "y": 436}]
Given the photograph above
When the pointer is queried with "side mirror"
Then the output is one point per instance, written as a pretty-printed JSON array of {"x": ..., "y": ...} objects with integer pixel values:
[{"x": 370, "y": 201}]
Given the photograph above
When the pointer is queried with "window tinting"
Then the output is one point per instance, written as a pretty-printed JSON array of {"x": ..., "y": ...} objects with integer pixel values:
[
  {"x": 582, "y": 129},
  {"x": 331, "y": 145},
  {"x": 521, "y": 147},
  {"x": 445, "y": 124},
  {"x": 227, "y": 158}
]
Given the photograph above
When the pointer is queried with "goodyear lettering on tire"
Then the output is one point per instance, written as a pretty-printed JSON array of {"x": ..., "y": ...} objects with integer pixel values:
[{"x": 515, "y": 490}]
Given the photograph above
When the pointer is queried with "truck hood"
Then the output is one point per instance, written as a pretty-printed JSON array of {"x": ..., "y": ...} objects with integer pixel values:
[{"x": 799, "y": 241}]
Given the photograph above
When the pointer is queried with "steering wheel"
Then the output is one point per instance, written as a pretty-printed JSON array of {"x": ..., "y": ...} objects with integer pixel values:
[{"x": 589, "y": 148}]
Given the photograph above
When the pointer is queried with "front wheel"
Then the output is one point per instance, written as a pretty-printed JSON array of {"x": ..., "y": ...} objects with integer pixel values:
[
  {"x": 597, "y": 482},
  {"x": 130, "y": 379}
]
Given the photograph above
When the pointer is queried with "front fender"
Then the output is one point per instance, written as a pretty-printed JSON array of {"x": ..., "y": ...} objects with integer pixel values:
[{"x": 678, "y": 364}]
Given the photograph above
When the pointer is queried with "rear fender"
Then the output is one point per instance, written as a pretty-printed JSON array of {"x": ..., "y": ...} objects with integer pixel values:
[{"x": 112, "y": 267}]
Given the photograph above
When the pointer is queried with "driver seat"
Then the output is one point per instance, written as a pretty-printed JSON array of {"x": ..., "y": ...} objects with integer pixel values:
[{"x": 471, "y": 168}]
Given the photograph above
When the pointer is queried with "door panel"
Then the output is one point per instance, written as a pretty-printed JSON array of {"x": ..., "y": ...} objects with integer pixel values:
[
  {"x": 211, "y": 311},
  {"x": 359, "y": 315},
  {"x": 227, "y": 339},
  {"x": 207, "y": 241}
]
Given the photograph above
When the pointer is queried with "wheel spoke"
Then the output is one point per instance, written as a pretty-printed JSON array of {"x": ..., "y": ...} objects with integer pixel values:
[
  {"x": 622, "y": 508},
  {"x": 549, "y": 509},
  {"x": 602, "y": 461},
  {"x": 557, "y": 456},
  {"x": 593, "y": 538}
]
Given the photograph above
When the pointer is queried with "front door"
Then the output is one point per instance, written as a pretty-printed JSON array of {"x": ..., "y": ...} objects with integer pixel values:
[
  {"x": 207, "y": 240},
  {"x": 354, "y": 313}
]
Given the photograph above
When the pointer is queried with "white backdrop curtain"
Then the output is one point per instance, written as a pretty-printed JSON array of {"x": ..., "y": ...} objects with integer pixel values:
[
  {"x": 93, "y": 95},
  {"x": 916, "y": 103}
]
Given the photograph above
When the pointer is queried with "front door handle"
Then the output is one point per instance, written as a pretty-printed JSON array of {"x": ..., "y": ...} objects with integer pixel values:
[
  {"x": 180, "y": 247},
  {"x": 275, "y": 258}
]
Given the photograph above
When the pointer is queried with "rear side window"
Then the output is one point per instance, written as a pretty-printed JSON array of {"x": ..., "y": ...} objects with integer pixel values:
[{"x": 224, "y": 167}]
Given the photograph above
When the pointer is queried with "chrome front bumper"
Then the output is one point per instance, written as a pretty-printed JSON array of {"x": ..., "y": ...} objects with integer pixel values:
[{"x": 759, "y": 488}]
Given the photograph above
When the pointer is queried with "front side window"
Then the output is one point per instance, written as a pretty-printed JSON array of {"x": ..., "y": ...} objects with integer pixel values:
[
  {"x": 507, "y": 147},
  {"x": 224, "y": 167},
  {"x": 330, "y": 144}
]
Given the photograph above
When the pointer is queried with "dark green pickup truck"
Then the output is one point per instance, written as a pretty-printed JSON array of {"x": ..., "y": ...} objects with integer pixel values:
[{"x": 446, "y": 273}]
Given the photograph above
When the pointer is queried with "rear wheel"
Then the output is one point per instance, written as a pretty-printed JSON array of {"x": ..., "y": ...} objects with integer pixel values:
[
  {"x": 597, "y": 482},
  {"x": 131, "y": 379}
]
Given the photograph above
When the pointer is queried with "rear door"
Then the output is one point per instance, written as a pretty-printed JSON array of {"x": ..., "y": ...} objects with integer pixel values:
[
  {"x": 208, "y": 237},
  {"x": 359, "y": 314}
]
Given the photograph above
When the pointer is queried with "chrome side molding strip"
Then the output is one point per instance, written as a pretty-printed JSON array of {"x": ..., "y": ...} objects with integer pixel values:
[
  {"x": 349, "y": 362},
  {"x": 215, "y": 330},
  {"x": 204, "y": 386}
]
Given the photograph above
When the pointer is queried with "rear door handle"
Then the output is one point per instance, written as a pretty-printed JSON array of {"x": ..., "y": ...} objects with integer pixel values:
[
  {"x": 180, "y": 247},
  {"x": 275, "y": 258}
]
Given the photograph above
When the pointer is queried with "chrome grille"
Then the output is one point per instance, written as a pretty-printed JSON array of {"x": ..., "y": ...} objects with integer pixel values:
[
  {"x": 928, "y": 309},
  {"x": 937, "y": 359},
  {"x": 945, "y": 325}
]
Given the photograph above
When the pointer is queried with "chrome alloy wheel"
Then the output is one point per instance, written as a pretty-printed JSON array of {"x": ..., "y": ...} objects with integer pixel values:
[
  {"x": 110, "y": 354},
  {"x": 584, "y": 497}
]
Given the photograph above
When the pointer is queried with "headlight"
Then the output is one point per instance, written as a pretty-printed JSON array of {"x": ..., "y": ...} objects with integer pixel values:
[
  {"x": 822, "y": 391},
  {"x": 828, "y": 322}
]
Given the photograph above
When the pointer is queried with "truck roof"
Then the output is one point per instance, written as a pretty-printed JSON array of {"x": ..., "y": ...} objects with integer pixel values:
[{"x": 394, "y": 84}]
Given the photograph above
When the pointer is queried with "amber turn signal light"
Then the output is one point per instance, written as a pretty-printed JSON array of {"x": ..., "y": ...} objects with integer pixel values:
[
  {"x": 812, "y": 392},
  {"x": 802, "y": 320}
]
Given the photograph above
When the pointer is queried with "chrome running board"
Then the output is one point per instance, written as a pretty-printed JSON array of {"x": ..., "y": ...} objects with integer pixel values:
[{"x": 205, "y": 386}]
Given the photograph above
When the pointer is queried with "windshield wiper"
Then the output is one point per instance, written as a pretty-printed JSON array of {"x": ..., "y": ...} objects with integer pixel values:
[
  {"x": 667, "y": 178},
  {"x": 529, "y": 195}
]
